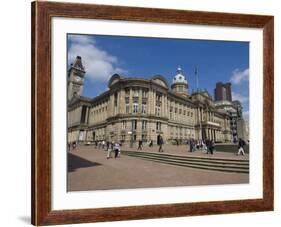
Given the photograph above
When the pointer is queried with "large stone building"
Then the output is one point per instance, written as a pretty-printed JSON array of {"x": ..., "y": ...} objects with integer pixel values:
[
  {"x": 134, "y": 109},
  {"x": 223, "y": 101}
]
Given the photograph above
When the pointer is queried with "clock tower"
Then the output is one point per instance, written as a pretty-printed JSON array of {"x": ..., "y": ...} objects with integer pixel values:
[{"x": 75, "y": 79}]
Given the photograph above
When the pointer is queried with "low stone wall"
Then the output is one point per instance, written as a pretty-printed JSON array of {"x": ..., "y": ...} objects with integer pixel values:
[{"x": 232, "y": 148}]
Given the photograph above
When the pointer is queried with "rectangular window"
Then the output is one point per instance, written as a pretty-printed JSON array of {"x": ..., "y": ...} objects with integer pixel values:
[
  {"x": 143, "y": 108},
  {"x": 144, "y": 93},
  {"x": 134, "y": 125},
  {"x": 144, "y": 125},
  {"x": 158, "y": 126},
  {"x": 127, "y": 108},
  {"x": 158, "y": 100},
  {"x": 136, "y": 93},
  {"x": 83, "y": 114},
  {"x": 127, "y": 92},
  {"x": 144, "y": 138},
  {"x": 135, "y": 108},
  {"x": 115, "y": 99},
  {"x": 157, "y": 111},
  {"x": 124, "y": 124}
]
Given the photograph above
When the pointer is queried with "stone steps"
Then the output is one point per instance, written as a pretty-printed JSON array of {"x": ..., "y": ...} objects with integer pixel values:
[{"x": 216, "y": 164}]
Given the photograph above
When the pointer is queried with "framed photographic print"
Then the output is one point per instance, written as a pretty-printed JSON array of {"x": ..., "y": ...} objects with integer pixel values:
[{"x": 142, "y": 113}]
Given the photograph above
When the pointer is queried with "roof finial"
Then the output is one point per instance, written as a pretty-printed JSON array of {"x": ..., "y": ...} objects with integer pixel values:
[{"x": 179, "y": 70}]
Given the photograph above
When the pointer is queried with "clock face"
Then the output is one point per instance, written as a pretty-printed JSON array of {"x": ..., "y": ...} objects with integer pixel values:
[{"x": 78, "y": 79}]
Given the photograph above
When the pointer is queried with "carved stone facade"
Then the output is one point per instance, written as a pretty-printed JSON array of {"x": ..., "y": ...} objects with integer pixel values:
[{"x": 134, "y": 109}]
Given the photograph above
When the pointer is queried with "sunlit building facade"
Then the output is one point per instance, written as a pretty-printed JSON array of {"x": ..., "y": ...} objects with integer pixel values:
[{"x": 134, "y": 109}]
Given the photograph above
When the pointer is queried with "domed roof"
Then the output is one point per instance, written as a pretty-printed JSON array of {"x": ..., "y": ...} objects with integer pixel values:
[{"x": 179, "y": 77}]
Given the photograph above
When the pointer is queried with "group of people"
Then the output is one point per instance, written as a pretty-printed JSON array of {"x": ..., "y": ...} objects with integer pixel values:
[
  {"x": 110, "y": 147},
  {"x": 209, "y": 146},
  {"x": 194, "y": 145},
  {"x": 114, "y": 147},
  {"x": 72, "y": 146},
  {"x": 100, "y": 144},
  {"x": 160, "y": 143},
  {"x": 205, "y": 145},
  {"x": 140, "y": 144}
]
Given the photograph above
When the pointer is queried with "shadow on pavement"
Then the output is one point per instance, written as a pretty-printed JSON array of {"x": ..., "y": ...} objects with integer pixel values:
[{"x": 75, "y": 162}]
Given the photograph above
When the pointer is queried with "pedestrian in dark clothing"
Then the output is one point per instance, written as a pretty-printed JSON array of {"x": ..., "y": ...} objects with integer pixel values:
[
  {"x": 73, "y": 145},
  {"x": 160, "y": 143},
  {"x": 151, "y": 143},
  {"x": 211, "y": 146},
  {"x": 140, "y": 145},
  {"x": 116, "y": 149},
  {"x": 241, "y": 144},
  {"x": 191, "y": 146}
]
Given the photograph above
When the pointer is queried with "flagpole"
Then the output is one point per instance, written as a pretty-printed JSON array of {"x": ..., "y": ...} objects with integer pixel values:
[
  {"x": 199, "y": 113},
  {"x": 197, "y": 79}
]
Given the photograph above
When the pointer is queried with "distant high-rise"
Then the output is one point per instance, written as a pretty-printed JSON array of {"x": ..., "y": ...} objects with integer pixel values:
[{"x": 223, "y": 92}]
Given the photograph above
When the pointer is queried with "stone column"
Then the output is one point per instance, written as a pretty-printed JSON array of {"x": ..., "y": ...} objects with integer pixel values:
[
  {"x": 149, "y": 101},
  {"x": 154, "y": 102},
  {"x": 162, "y": 106},
  {"x": 165, "y": 106},
  {"x": 140, "y": 100},
  {"x": 122, "y": 104},
  {"x": 131, "y": 101},
  {"x": 215, "y": 137}
]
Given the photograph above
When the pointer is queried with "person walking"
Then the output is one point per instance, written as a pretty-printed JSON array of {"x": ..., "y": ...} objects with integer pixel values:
[
  {"x": 151, "y": 143},
  {"x": 116, "y": 149},
  {"x": 109, "y": 150},
  {"x": 241, "y": 144},
  {"x": 204, "y": 146},
  {"x": 73, "y": 145},
  {"x": 103, "y": 144},
  {"x": 107, "y": 145},
  {"x": 140, "y": 145},
  {"x": 160, "y": 143},
  {"x": 191, "y": 145},
  {"x": 210, "y": 146}
]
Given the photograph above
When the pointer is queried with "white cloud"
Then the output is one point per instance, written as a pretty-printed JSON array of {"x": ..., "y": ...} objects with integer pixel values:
[
  {"x": 239, "y": 97},
  {"x": 239, "y": 76},
  {"x": 99, "y": 64}
]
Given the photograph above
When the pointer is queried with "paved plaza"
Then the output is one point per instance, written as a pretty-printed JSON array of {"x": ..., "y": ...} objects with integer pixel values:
[{"x": 89, "y": 169}]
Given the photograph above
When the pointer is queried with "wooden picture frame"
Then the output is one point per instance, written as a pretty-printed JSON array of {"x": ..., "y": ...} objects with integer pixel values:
[{"x": 42, "y": 13}]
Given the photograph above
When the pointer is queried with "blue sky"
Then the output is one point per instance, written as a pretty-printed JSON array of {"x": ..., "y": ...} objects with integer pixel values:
[{"x": 144, "y": 57}]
